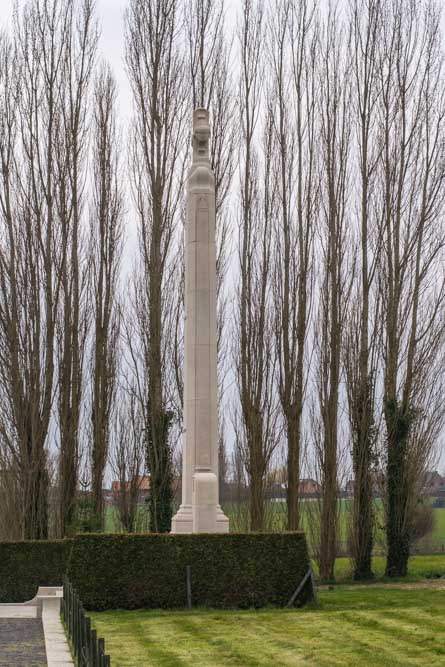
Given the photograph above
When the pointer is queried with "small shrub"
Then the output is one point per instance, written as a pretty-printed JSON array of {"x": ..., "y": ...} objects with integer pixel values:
[{"x": 422, "y": 522}]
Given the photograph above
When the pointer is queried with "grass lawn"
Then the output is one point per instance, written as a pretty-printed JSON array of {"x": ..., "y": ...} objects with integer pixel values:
[
  {"x": 372, "y": 627},
  {"x": 420, "y": 567},
  {"x": 439, "y": 526}
]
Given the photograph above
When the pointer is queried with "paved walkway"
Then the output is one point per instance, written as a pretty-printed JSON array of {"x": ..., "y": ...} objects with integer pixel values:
[
  {"x": 29, "y": 641},
  {"x": 57, "y": 650},
  {"x": 22, "y": 642}
]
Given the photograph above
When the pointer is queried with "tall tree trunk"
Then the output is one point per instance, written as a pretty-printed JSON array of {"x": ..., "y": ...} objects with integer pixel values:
[
  {"x": 413, "y": 131},
  {"x": 71, "y": 323},
  {"x": 335, "y": 100},
  {"x": 365, "y": 23},
  {"x": 256, "y": 430},
  {"x": 291, "y": 35},
  {"x": 155, "y": 63},
  {"x": 105, "y": 255}
]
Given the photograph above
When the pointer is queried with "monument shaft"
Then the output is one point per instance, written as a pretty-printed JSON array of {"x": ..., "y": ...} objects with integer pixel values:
[{"x": 200, "y": 511}]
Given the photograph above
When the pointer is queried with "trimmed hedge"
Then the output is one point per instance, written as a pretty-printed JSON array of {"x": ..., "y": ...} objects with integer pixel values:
[
  {"x": 149, "y": 571},
  {"x": 24, "y": 566}
]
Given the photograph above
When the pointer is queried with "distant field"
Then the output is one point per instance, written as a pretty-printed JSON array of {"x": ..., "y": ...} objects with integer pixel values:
[
  {"x": 276, "y": 521},
  {"x": 374, "y": 627},
  {"x": 112, "y": 523},
  {"x": 420, "y": 568},
  {"x": 439, "y": 529}
]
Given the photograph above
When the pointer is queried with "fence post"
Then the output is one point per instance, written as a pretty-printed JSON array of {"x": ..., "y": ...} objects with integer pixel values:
[
  {"x": 76, "y": 652},
  {"x": 89, "y": 651},
  {"x": 83, "y": 635},
  {"x": 88, "y": 640},
  {"x": 95, "y": 654},
  {"x": 189, "y": 586},
  {"x": 101, "y": 645}
]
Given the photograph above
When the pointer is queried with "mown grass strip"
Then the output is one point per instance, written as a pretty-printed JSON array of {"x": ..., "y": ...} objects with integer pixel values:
[{"x": 377, "y": 627}]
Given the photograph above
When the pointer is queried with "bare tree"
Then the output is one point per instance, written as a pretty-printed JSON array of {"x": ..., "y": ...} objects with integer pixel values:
[
  {"x": 127, "y": 460},
  {"x": 106, "y": 236},
  {"x": 360, "y": 349},
  {"x": 29, "y": 283},
  {"x": 42, "y": 192},
  {"x": 412, "y": 111},
  {"x": 239, "y": 515},
  {"x": 254, "y": 347},
  {"x": 11, "y": 518},
  {"x": 156, "y": 69},
  {"x": 335, "y": 139},
  {"x": 71, "y": 160},
  {"x": 293, "y": 31},
  {"x": 10, "y": 459}
]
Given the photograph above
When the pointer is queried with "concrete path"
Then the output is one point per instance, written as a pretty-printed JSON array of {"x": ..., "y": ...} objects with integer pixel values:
[
  {"x": 22, "y": 643},
  {"x": 33, "y": 632},
  {"x": 57, "y": 650}
]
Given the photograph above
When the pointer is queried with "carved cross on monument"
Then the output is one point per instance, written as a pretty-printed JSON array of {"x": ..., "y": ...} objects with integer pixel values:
[{"x": 200, "y": 511}]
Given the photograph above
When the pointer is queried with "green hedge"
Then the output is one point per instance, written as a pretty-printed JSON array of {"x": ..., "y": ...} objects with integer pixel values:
[
  {"x": 137, "y": 571},
  {"x": 24, "y": 566},
  {"x": 149, "y": 571}
]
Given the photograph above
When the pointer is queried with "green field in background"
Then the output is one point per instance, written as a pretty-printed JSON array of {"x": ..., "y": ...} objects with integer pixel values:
[{"x": 276, "y": 521}]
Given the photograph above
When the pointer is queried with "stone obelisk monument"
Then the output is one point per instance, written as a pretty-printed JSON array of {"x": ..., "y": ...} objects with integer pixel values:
[{"x": 200, "y": 511}]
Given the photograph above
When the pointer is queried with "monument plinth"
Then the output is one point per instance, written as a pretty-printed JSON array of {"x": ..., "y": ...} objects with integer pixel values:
[{"x": 200, "y": 511}]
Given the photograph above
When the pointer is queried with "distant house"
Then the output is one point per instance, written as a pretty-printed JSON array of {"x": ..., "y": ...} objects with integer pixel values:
[
  {"x": 143, "y": 485},
  {"x": 309, "y": 487},
  {"x": 378, "y": 485},
  {"x": 306, "y": 487}
]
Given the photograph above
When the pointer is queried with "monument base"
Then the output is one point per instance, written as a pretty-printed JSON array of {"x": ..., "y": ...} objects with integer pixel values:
[
  {"x": 204, "y": 515},
  {"x": 222, "y": 521},
  {"x": 182, "y": 522},
  {"x": 204, "y": 501}
]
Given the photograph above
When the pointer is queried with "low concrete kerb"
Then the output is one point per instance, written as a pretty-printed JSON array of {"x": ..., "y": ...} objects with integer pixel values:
[{"x": 45, "y": 605}]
